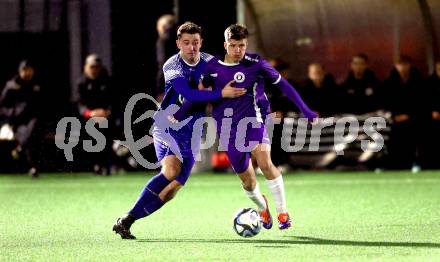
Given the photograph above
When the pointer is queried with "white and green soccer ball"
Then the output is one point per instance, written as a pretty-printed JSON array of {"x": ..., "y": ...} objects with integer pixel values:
[{"x": 247, "y": 222}]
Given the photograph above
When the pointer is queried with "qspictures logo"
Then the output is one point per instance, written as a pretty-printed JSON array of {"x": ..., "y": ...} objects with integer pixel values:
[{"x": 231, "y": 132}]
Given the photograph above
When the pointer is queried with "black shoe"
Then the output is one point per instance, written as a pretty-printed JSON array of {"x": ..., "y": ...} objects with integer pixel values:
[
  {"x": 33, "y": 172},
  {"x": 122, "y": 227}
]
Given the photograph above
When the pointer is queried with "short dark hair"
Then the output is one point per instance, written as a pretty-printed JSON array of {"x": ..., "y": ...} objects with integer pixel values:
[
  {"x": 236, "y": 32},
  {"x": 26, "y": 63},
  {"x": 189, "y": 28},
  {"x": 361, "y": 56}
]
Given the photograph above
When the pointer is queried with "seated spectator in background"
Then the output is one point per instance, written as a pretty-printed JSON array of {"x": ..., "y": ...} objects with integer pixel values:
[
  {"x": 165, "y": 48},
  {"x": 95, "y": 100},
  {"x": 433, "y": 84},
  {"x": 361, "y": 87},
  {"x": 432, "y": 141},
  {"x": 19, "y": 103},
  {"x": 404, "y": 87},
  {"x": 319, "y": 90}
]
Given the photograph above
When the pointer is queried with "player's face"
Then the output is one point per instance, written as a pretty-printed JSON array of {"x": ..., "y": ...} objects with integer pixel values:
[
  {"x": 403, "y": 69},
  {"x": 92, "y": 71},
  {"x": 358, "y": 65},
  {"x": 189, "y": 46},
  {"x": 316, "y": 73},
  {"x": 27, "y": 73},
  {"x": 235, "y": 49}
]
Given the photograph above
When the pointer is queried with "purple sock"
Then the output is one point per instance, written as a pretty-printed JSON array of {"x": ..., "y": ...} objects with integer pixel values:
[{"x": 149, "y": 201}]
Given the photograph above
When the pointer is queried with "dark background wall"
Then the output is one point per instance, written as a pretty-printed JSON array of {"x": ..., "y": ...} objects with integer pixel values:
[
  {"x": 58, "y": 34},
  {"x": 213, "y": 16},
  {"x": 134, "y": 35},
  {"x": 331, "y": 31}
]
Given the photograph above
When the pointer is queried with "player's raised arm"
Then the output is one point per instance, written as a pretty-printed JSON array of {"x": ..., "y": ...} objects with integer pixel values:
[
  {"x": 293, "y": 95},
  {"x": 277, "y": 80}
]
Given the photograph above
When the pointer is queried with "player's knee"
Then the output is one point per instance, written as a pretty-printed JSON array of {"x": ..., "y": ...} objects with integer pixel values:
[
  {"x": 249, "y": 183},
  {"x": 171, "y": 171},
  {"x": 254, "y": 162},
  {"x": 265, "y": 165}
]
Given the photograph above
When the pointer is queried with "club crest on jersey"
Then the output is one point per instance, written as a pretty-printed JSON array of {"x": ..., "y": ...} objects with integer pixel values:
[{"x": 239, "y": 77}]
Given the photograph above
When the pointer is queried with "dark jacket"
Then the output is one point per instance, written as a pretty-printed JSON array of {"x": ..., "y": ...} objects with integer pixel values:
[
  {"x": 321, "y": 99},
  {"x": 19, "y": 101},
  {"x": 405, "y": 97},
  {"x": 93, "y": 94},
  {"x": 361, "y": 95}
]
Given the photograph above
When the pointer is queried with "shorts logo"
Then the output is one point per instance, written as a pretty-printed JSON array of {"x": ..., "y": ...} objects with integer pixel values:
[{"x": 239, "y": 77}]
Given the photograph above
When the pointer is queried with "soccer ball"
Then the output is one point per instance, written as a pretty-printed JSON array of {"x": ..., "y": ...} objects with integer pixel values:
[{"x": 247, "y": 222}]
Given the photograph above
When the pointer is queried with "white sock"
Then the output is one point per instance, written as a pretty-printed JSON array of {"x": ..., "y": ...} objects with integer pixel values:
[
  {"x": 276, "y": 186},
  {"x": 256, "y": 197}
]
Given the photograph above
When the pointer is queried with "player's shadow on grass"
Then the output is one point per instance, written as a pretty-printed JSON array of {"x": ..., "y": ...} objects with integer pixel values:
[
  {"x": 332, "y": 242},
  {"x": 298, "y": 240}
]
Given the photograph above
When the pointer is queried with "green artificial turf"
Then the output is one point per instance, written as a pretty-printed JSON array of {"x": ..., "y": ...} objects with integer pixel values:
[{"x": 336, "y": 216}]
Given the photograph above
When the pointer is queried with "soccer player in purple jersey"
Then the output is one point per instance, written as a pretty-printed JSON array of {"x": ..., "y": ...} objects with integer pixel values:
[
  {"x": 173, "y": 147},
  {"x": 245, "y": 119}
]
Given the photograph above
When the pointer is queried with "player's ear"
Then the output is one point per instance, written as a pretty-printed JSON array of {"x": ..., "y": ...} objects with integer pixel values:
[
  {"x": 225, "y": 45},
  {"x": 178, "y": 43},
  {"x": 245, "y": 41}
]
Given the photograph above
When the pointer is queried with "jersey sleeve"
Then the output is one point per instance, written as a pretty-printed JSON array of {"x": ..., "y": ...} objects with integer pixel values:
[
  {"x": 173, "y": 73},
  {"x": 274, "y": 77},
  {"x": 293, "y": 95},
  {"x": 194, "y": 95},
  {"x": 172, "y": 69},
  {"x": 269, "y": 72}
]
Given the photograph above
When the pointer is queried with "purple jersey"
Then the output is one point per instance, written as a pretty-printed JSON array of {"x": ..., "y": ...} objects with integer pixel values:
[
  {"x": 178, "y": 74},
  {"x": 262, "y": 100},
  {"x": 181, "y": 80},
  {"x": 249, "y": 73},
  {"x": 176, "y": 68}
]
